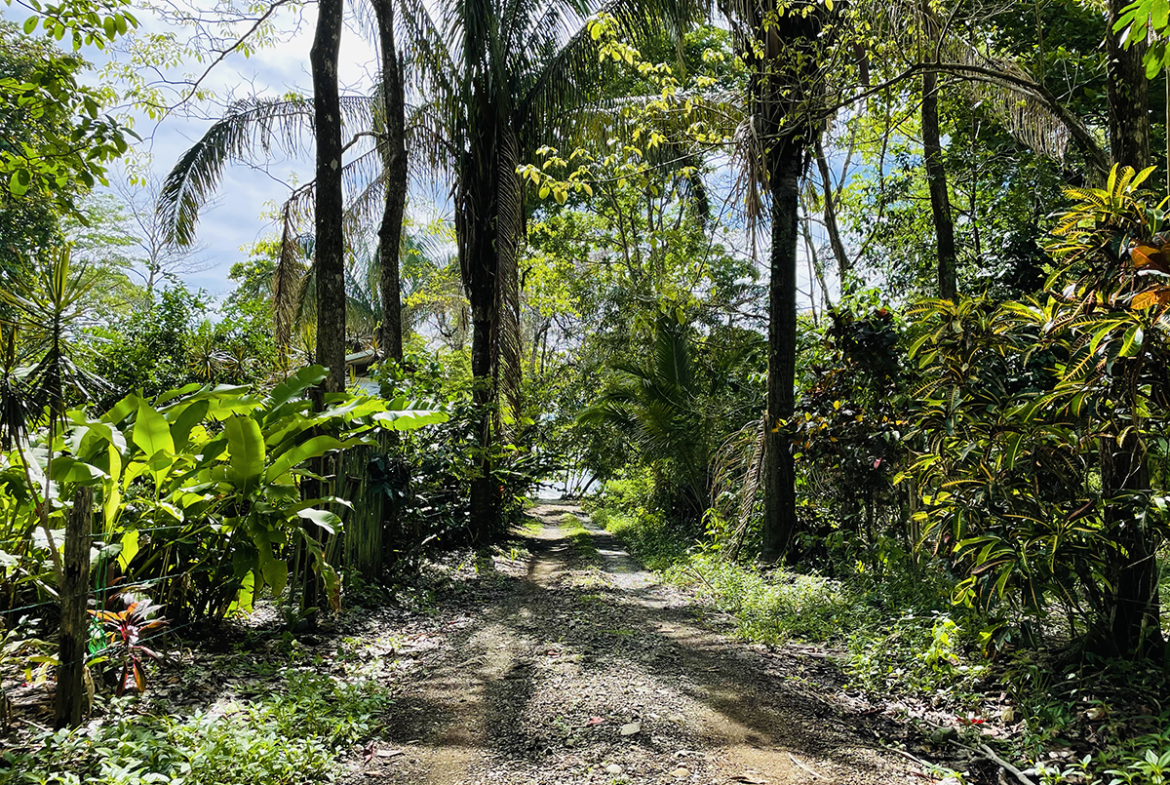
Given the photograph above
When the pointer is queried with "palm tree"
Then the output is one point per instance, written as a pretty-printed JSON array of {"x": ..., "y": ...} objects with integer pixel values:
[
  {"x": 374, "y": 180},
  {"x": 783, "y": 47},
  {"x": 659, "y": 407},
  {"x": 502, "y": 78}
]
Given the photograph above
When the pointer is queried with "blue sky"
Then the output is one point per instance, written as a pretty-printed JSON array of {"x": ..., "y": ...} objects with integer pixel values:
[{"x": 235, "y": 220}]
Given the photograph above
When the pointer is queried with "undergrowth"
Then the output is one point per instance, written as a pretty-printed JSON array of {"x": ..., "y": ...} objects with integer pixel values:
[
  {"x": 292, "y": 736},
  {"x": 774, "y": 606}
]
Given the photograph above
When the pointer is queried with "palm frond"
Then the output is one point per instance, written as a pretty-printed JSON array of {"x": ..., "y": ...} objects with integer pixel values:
[
  {"x": 998, "y": 82},
  {"x": 250, "y": 128},
  {"x": 286, "y": 278}
]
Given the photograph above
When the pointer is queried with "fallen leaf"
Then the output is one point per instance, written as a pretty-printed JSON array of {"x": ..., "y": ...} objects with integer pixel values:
[
  {"x": 629, "y": 729},
  {"x": 594, "y": 721}
]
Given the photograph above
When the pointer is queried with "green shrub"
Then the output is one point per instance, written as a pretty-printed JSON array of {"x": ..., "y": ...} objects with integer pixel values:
[
  {"x": 768, "y": 608},
  {"x": 776, "y": 606},
  {"x": 647, "y": 536}
]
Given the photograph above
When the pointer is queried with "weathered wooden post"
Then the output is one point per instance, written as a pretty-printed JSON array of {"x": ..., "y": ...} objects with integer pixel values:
[{"x": 71, "y": 693}]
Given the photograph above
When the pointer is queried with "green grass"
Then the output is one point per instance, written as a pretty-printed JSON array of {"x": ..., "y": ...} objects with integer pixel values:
[
  {"x": 768, "y": 608},
  {"x": 290, "y": 737},
  {"x": 646, "y": 535},
  {"x": 775, "y": 607},
  {"x": 580, "y": 540}
]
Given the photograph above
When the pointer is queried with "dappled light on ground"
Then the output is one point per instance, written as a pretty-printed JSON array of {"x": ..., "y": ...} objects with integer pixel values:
[{"x": 583, "y": 669}]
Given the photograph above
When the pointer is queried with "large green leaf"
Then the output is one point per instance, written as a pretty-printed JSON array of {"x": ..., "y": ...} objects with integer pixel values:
[
  {"x": 152, "y": 433},
  {"x": 296, "y": 384},
  {"x": 67, "y": 469},
  {"x": 313, "y": 448},
  {"x": 130, "y": 548},
  {"x": 122, "y": 409},
  {"x": 275, "y": 573},
  {"x": 178, "y": 392},
  {"x": 409, "y": 420},
  {"x": 187, "y": 419},
  {"x": 112, "y": 495},
  {"x": 323, "y": 518},
  {"x": 246, "y": 451}
]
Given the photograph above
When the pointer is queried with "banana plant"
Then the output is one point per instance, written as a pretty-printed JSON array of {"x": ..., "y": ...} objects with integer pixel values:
[{"x": 221, "y": 467}]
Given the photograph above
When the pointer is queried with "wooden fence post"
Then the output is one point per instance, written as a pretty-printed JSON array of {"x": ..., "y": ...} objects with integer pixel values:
[{"x": 74, "y": 640}]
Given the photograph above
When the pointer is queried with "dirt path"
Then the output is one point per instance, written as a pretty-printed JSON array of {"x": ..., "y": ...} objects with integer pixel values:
[{"x": 579, "y": 668}]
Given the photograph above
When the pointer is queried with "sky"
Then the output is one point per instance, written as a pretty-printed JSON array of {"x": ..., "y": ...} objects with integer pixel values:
[{"x": 237, "y": 218}]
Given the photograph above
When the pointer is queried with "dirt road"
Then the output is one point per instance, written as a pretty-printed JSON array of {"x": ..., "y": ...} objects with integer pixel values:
[{"x": 578, "y": 667}]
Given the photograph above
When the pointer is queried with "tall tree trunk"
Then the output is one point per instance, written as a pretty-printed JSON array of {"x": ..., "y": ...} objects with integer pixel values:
[
  {"x": 936, "y": 178},
  {"x": 485, "y": 495},
  {"x": 779, "y": 471},
  {"x": 476, "y": 210},
  {"x": 393, "y": 147},
  {"x": 786, "y": 91},
  {"x": 1135, "y": 623},
  {"x": 329, "y": 241},
  {"x": 1129, "y": 111},
  {"x": 481, "y": 292},
  {"x": 509, "y": 218}
]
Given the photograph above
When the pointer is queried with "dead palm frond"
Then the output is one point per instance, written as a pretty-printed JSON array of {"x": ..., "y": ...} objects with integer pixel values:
[{"x": 735, "y": 479}]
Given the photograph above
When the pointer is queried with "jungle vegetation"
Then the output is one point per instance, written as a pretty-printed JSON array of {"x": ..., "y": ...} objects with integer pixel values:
[{"x": 876, "y": 294}]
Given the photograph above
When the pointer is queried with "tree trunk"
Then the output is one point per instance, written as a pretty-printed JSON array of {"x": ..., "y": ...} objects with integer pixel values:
[
  {"x": 779, "y": 472},
  {"x": 393, "y": 147},
  {"x": 329, "y": 253},
  {"x": 476, "y": 230},
  {"x": 1129, "y": 115},
  {"x": 786, "y": 93},
  {"x": 509, "y": 220},
  {"x": 72, "y": 696},
  {"x": 1134, "y": 624},
  {"x": 329, "y": 241},
  {"x": 485, "y": 496},
  {"x": 936, "y": 177}
]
